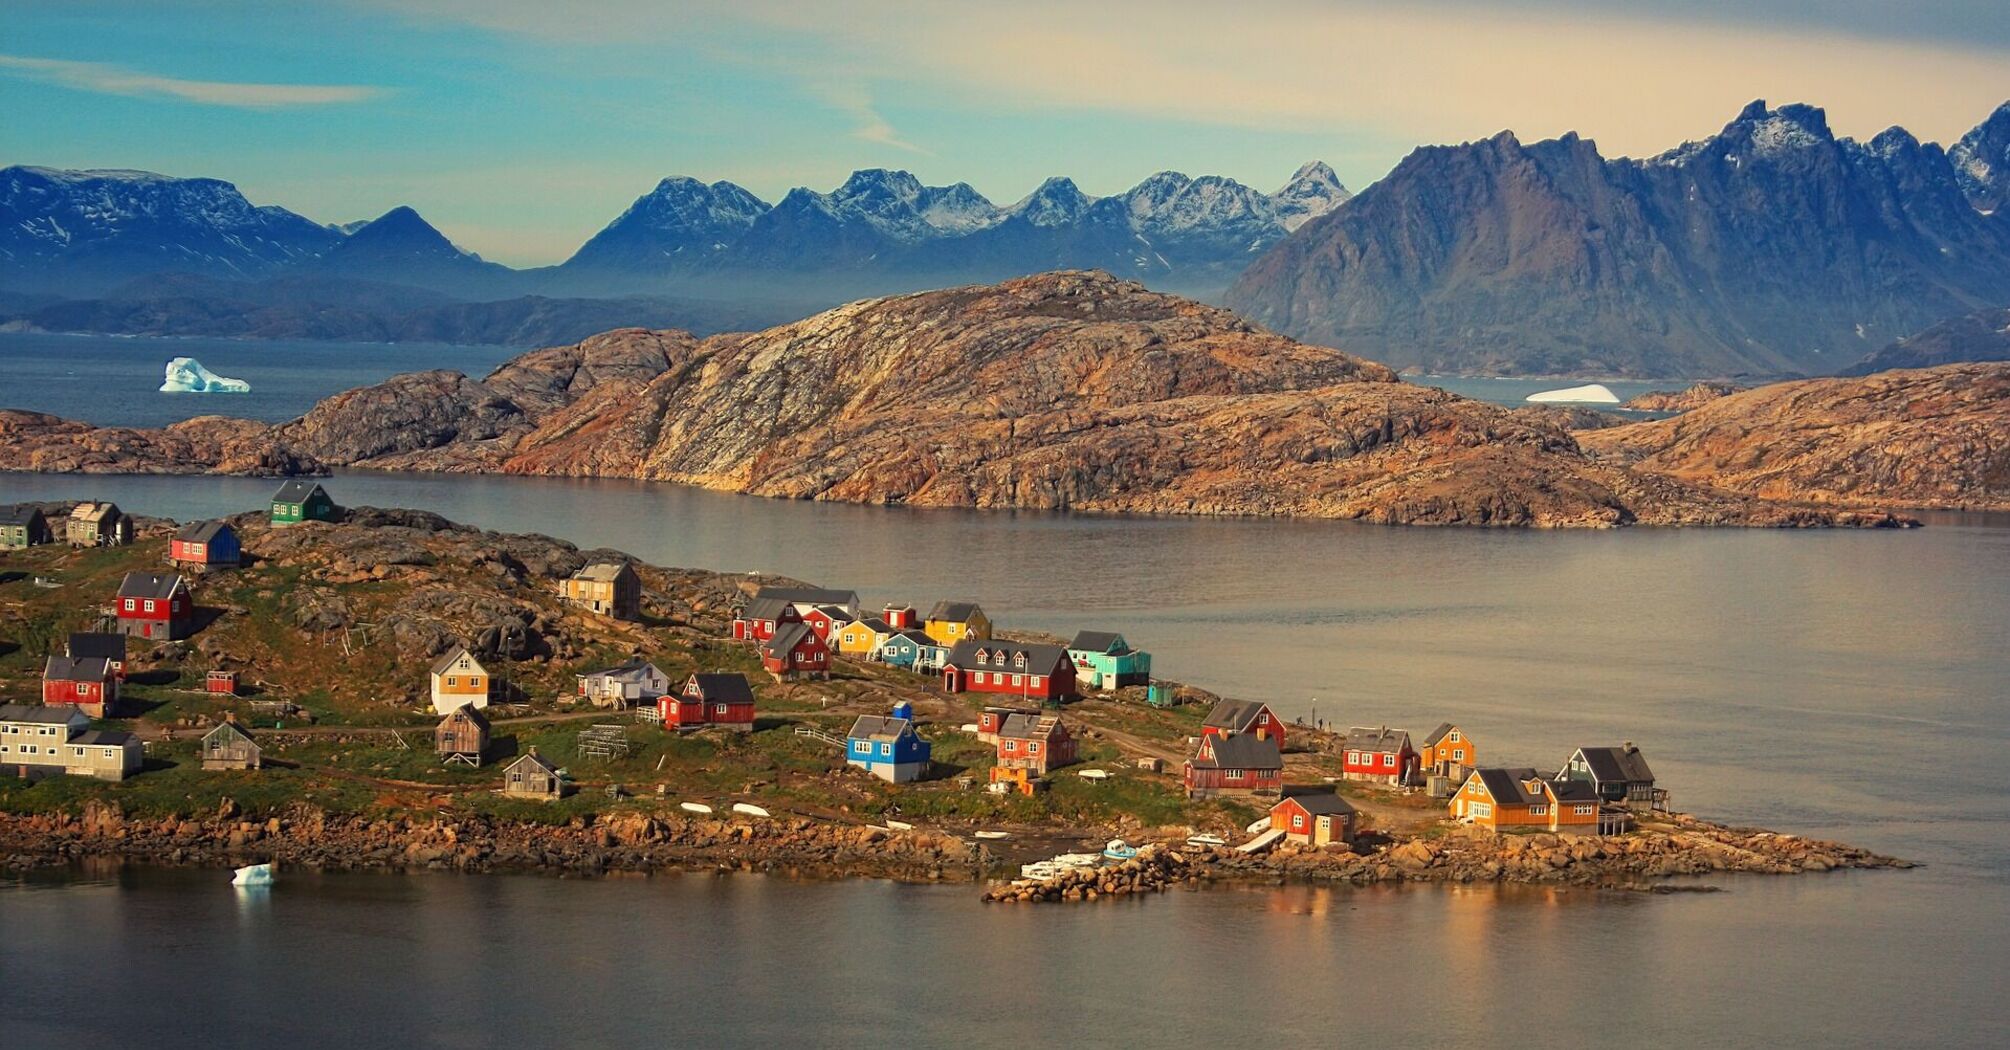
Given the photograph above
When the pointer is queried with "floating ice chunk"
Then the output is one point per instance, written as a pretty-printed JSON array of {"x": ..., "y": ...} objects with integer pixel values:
[
  {"x": 1591, "y": 393},
  {"x": 185, "y": 375}
]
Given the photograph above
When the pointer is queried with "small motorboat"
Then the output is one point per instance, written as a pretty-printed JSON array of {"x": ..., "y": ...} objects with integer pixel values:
[
  {"x": 1258, "y": 826},
  {"x": 988, "y": 834},
  {"x": 1094, "y": 774},
  {"x": 899, "y": 825},
  {"x": 1118, "y": 849},
  {"x": 252, "y": 875},
  {"x": 1206, "y": 840},
  {"x": 749, "y": 810},
  {"x": 1078, "y": 860},
  {"x": 694, "y": 807}
]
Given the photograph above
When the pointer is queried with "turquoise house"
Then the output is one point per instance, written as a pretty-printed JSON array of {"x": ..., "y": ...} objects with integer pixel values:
[
  {"x": 1103, "y": 660},
  {"x": 915, "y": 651}
]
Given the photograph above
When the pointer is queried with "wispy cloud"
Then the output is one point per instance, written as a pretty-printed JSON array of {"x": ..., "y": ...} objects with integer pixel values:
[
  {"x": 854, "y": 101},
  {"x": 106, "y": 79}
]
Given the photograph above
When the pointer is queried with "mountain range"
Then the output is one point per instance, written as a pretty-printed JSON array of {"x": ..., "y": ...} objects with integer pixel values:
[{"x": 1771, "y": 248}]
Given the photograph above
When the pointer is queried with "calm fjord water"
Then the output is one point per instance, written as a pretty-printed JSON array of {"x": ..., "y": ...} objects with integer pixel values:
[{"x": 1845, "y": 684}]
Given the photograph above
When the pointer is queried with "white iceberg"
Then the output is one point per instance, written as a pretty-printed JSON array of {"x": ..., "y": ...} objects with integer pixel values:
[
  {"x": 1589, "y": 394},
  {"x": 185, "y": 375}
]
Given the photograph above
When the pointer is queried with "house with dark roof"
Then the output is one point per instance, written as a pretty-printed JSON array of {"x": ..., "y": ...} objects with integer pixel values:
[
  {"x": 298, "y": 501},
  {"x": 155, "y": 605},
  {"x": 1378, "y": 756},
  {"x": 1251, "y": 718},
  {"x": 1314, "y": 817},
  {"x": 23, "y": 525},
  {"x": 953, "y": 622},
  {"x": 1498, "y": 798},
  {"x": 795, "y": 651},
  {"x": 610, "y": 588},
  {"x": 807, "y": 598},
  {"x": 887, "y": 747},
  {"x": 720, "y": 699},
  {"x": 53, "y": 741},
  {"x": 1617, "y": 774},
  {"x": 915, "y": 651},
  {"x": 87, "y": 682},
  {"x": 229, "y": 746},
  {"x": 206, "y": 545},
  {"x": 1030, "y": 671},
  {"x": 1448, "y": 751},
  {"x": 758, "y": 620},
  {"x": 826, "y": 621},
  {"x": 1038, "y": 743},
  {"x": 862, "y": 638},
  {"x": 1234, "y": 764},
  {"x": 1104, "y": 660},
  {"x": 108, "y": 646}
]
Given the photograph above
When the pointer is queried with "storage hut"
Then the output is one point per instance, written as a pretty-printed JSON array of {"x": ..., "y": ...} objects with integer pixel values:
[
  {"x": 462, "y": 736},
  {"x": 229, "y": 746},
  {"x": 533, "y": 776}
]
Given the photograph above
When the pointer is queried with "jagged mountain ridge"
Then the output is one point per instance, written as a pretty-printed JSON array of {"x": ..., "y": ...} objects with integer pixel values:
[{"x": 1771, "y": 248}]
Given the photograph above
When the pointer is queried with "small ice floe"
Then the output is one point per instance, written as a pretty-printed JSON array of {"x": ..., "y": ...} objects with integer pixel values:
[
  {"x": 252, "y": 875},
  {"x": 185, "y": 375},
  {"x": 1588, "y": 394}
]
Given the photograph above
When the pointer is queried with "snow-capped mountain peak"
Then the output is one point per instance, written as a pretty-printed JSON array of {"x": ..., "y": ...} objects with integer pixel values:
[{"x": 1057, "y": 202}]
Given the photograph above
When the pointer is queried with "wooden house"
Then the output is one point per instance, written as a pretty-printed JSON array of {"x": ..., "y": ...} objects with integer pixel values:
[
  {"x": 1035, "y": 742},
  {"x": 826, "y": 621},
  {"x": 608, "y": 588},
  {"x": 1104, "y": 660},
  {"x": 298, "y": 501},
  {"x": 1497, "y": 799},
  {"x": 915, "y": 651},
  {"x": 229, "y": 746},
  {"x": 206, "y": 545},
  {"x": 806, "y": 598},
  {"x": 1236, "y": 764},
  {"x": 796, "y": 652},
  {"x": 1448, "y": 751},
  {"x": 861, "y": 639},
  {"x": 1030, "y": 671},
  {"x": 23, "y": 525},
  {"x": 87, "y": 682},
  {"x": 533, "y": 776},
  {"x": 888, "y": 748},
  {"x": 155, "y": 605},
  {"x": 720, "y": 699},
  {"x": 759, "y": 619},
  {"x": 992, "y": 719},
  {"x": 1314, "y": 818},
  {"x": 462, "y": 736},
  {"x": 1618, "y": 774},
  {"x": 1379, "y": 756},
  {"x": 458, "y": 678},
  {"x": 108, "y": 646},
  {"x": 636, "y": 682},
  {"x": 1251, "y": 718},
  {"x": 953, "y": 622},
  {"x": 98, "y": 525}
]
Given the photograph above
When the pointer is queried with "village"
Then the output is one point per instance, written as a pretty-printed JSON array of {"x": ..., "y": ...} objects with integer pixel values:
[{"x": 768, "y": 693}]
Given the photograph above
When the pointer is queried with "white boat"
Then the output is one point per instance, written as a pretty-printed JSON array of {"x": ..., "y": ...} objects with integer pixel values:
[
  {"x": 694, "y": 807},
  {"x": 1078, "y": 860},
  {"x": 900, "y": 825},
  {"x": 749, "y": 810},
  {"x": 989, "y": 834},
  {"x": 1042, "y": 870},
  {"x": 253, "y": 875},
  {"x": 1118, "y": 849},
  {"x": 1588, "y": 394},
  {"x": 1206, "y": 840},
  {"x": 968, "y": 727},
  {"x": 1094, "y": 774},
  {"x": 1258, "y": 826}
]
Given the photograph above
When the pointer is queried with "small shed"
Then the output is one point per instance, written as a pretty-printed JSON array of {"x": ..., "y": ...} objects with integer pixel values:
[
  {"x": 23, "y": 525},
  {"x": 462, "y": 736},
  {"x": 224, "y": 682},
  {"x": 298, "y": 501},
  {"x": 229, "y": 746},
  {"x": 1314, "y": 818},
  {"x": 533, "y": 776}
]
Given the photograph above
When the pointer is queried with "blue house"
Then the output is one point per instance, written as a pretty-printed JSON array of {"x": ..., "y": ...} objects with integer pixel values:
[
  {"x": 888, "y": 748},
  {"x": 1103, "y": 660},
  {"x": 915, "y": 651}
]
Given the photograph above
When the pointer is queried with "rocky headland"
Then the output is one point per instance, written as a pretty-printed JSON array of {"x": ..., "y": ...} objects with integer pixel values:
[{"x": 1683, "y": 400}]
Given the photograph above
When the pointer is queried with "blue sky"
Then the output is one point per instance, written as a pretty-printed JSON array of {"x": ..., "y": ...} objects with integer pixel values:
[{"x": 522, "y": 126}]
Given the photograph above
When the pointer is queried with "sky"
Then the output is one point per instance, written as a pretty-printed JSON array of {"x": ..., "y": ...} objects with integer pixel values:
[{"x": 520, "y": 127}]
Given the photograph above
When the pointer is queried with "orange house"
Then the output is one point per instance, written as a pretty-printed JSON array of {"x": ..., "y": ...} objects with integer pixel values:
[
  {"x": 1448, "y": 750},
  {"x": 1506, "y": 799}
]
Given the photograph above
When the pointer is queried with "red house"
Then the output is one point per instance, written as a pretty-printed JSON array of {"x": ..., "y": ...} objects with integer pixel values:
[
  {"x": 901, "y": 617},
  {"x": 1382, "y": 756},
  {"x": 762, "y": 617},
  {"x": 1022, "y": 669},
  {"x": 1237, "y": 764},
  {"x": 795, "y": 651},
  {"x": 152, "y": 605},
  {"x": 205, "y": 544},
  {"x": 1034, "y": 742},
  {"x": 87, "y": 682},
  {"x": 825, "y": 620},
  {"x": 725, "y": 700},
  {"x": 1250, "y": 717}
]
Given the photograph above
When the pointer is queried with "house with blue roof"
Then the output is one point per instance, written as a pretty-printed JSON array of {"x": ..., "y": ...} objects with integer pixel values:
[{"x": 887, "y": 747}]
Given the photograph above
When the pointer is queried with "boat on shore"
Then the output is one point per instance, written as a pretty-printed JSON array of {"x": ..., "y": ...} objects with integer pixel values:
[{"x": 1118, "y": 849}]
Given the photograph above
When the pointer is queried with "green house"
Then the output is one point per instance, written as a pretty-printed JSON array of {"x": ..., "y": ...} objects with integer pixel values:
[
  {"x": 298, "y": 501},
  {"x": 23, "y": 525},
  {"x": 1103, "y": 660}
]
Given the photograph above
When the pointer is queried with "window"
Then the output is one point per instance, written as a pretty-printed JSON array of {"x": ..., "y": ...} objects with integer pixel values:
[
  {"x": 719, "y": 709},
  {"x": 1033, "y": 748},
  {"x": 28, "y": 749},
  {"x": 1233, "y": 774},
  {"x": 1538, "y": 810},
  {"x": 76, "y": 752},
  {"x": 1455, "y": 736},
  {"x": 1389, "y": 760},
  {"x": 1018, "y": 679},
  {"x": 1582, "y": 811},
  {"x": 110, "y": 752},
  {"x": 1039, "y": 682},
  {"x": 1459, "y": 755},
  {"x": 131, "y": 605},
  {"x": 451, "y": 680},
  {"x": 1479, "y": 809},
  {"x": 1353, "y": 758},
  {"x": 886, "y": 749},
  {"x": 1297, "y": 821}
]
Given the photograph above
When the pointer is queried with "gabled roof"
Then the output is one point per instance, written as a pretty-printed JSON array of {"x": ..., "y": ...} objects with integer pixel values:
[
  {"x": 1237, "y": 751},
  {"x": 1438, "y": 733},
  {"x": 68, "y": 669},
  {"x": 954, "y": 612},
  {"x": 1236, "y": 716},
  {"x": 603, "y": 571},
  {"x": 441, "y": 665},
  {"x": 1319, "y": 803},
  {"x": 1030, "y": 726},
  {"x": 158, "y": 586},
  {"x": 94, "y": 511},
  {"x": 918, "y": 637},
  {"x": 469, "y": 712},
  {"x": 636, "y": 670},
  {"x": 1380, "y": 740},
  {"x": 202, "y": 532},
  {"x": 879, "y": 727},
  {"x": 535, "y": 759},
  {"x": 766, "y": 609},
  {"x": 1041, "y": 659},
  {"x": 1617, "y": 765},
  {"x": 722, "y": 687},
  {"x": 230, "y": 728},
  {"x": 835, "y": 613},
  {"x": 61, "y": 714},
  {"x": 103, "y": 738},
  {"x": 871, "y": 623},
  {"x": 102, "y": 644},
  {"x": 1100, "y": 642},
  {"x": 1568, "y": 790},
  {"x": 297, "y": 492},
  {"x": 787, "y": 637},
  {"x": 809, "y": 595},
  {"x": 20, "y": 514},
  {"x": 1504, "y": 785}
]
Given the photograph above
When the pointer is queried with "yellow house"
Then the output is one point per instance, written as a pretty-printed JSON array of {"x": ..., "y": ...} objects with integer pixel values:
[
  {"x": 862, "y": 638},
  {"x": 458, "y": 678},
  {"x": 952, "y": 622}
]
